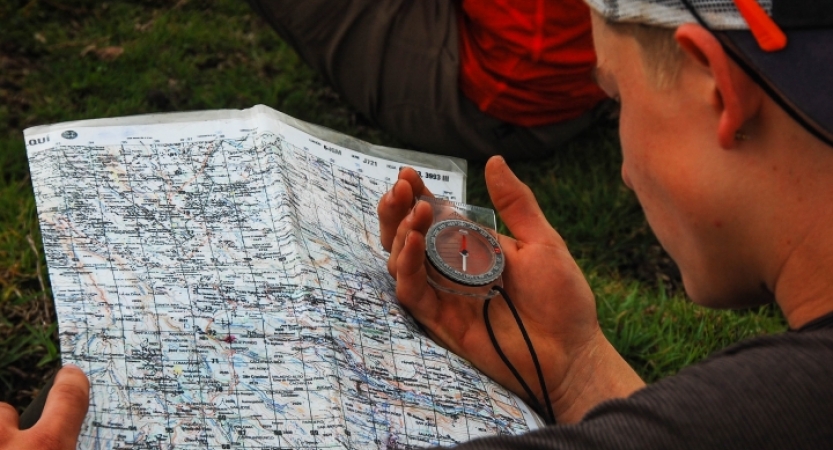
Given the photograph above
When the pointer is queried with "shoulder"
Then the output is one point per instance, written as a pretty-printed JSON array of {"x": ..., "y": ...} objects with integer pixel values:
[
  {"x": 771, "y": 392},
  {"x": 781, "y": 362},
  {"x": 768, "y": 392}
]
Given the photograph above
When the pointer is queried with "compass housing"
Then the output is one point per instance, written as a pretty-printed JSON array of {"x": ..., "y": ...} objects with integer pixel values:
[{"x": 477, "y": 243}]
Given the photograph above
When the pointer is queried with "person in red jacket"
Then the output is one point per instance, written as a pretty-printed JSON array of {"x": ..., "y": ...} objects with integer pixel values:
[{"x": 462, "y": 78}]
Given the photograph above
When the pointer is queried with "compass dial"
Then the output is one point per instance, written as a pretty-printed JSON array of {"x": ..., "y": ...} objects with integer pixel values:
[{"x": 464, "y": 252}]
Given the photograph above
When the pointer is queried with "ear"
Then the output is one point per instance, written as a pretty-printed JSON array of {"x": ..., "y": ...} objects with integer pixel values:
[{"x": 736, "y": 97}]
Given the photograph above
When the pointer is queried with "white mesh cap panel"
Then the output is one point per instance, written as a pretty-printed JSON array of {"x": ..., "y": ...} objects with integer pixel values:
[{"x": 719, "y": 14}]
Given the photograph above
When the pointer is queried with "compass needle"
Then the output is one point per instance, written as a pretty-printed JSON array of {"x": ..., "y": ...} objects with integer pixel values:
[{"x": 463, "y": 251}]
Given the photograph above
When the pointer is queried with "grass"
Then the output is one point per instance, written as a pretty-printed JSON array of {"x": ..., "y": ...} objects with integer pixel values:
[{"x": 78, "y": 59}]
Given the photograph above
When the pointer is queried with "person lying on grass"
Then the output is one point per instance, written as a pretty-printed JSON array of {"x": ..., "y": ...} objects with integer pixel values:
[
  {"x": 467, "y": 78},
  {"x": 726, "y": 139}
]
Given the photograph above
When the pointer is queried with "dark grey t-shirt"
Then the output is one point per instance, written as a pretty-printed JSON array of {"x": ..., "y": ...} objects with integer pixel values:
[{"x": 771, "y": 392}]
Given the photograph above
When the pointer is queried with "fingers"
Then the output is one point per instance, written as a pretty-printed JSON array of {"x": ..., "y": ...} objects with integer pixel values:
[
  {"x": 9, "y": 417},
  {"x": 393, "y": 206},
  {"x": 397, "y": 203},
  {"x": 66, "y": 405},
  {"x": 412, "y": 279},
  {"x": 419, "y": 218},
  {"x": 412, "y": 177},
  {"x": 516, "y": 204}
]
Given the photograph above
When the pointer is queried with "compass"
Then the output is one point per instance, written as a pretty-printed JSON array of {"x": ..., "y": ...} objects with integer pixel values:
[{"x": 464, "y": 252}]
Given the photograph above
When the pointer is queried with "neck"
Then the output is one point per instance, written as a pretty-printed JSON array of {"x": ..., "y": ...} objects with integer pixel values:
[
  {"x": 803, "y": 239},
  {"x": 804, "y": 286}
]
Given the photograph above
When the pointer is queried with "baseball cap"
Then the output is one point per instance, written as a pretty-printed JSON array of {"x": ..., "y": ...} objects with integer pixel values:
[{"x": 786, "y": 46}]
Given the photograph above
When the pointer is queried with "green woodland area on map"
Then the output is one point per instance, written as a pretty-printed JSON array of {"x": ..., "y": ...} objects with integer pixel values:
[{"x": 81, "y": 59}]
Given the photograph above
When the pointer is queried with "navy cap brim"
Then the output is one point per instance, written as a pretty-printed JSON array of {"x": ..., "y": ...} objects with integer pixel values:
[{"x": 799, "y": 77}]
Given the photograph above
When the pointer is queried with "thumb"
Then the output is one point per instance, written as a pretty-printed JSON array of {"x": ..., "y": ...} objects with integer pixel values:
[
  {"x": 515, "y": 203},
  {"x": 66, "y": 405}
]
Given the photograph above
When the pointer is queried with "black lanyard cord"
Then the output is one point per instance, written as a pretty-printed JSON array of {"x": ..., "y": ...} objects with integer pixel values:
[{"x": 545, "y": 410}]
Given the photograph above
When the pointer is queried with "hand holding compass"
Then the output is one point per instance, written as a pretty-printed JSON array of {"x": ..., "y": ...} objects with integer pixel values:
[{"x": 550, "y": 293}]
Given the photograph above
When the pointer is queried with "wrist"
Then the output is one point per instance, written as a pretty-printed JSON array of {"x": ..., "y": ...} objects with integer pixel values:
[{"x": 596, "y": 373}]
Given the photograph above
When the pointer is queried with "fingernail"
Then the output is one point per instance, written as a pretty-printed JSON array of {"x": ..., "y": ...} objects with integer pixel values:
[
  {"x": 413, "y": 210},
  {"x": 406, "y": 236},
  {"x": 62, "y": 373},
  {"x": 392, "y": 194}
]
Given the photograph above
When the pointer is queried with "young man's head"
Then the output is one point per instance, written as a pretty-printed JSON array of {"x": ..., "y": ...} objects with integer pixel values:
[{"x": 730, "y": 159}]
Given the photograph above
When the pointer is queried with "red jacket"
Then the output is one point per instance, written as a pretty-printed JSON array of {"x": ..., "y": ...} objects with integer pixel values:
[{"x": 528, "y": 62}]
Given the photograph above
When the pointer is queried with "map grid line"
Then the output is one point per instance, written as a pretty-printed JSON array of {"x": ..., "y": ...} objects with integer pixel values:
[{"x": 210, "y": 284}]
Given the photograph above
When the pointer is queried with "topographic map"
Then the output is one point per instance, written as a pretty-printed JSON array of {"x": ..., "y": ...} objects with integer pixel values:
[{"x": 223, "y": 286}]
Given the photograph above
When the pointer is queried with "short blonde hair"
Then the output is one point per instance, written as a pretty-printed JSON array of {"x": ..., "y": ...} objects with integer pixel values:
[{"x": 661, "y": 54}]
